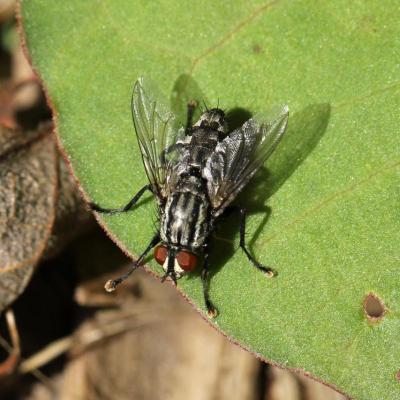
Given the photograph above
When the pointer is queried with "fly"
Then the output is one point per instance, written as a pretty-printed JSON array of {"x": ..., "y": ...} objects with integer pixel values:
[{"x": 195, "y": 172}]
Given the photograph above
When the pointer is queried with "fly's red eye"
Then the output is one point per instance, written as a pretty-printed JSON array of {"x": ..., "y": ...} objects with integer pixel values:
[
  {"x": 187, "y": 261},
  {"x": 160, "y": 254}
]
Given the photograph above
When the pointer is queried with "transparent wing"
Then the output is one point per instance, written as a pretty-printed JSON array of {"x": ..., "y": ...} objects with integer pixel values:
[
  {"x": 237, "y": 158},
  {"x": 154, "y": 124}
]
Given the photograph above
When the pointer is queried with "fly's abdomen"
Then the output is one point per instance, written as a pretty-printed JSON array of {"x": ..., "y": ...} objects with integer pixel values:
[{"x": 184, "y": 221}]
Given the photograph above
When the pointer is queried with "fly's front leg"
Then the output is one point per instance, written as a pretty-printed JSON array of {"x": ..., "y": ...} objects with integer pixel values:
[
  {"x": 211, "y": 310},
  {"x": 268, "y": 271},
  {"x": 134, "y": 200},
  {"x": 113, "y": 283}
]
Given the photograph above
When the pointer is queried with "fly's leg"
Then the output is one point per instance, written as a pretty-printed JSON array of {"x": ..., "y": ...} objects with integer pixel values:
[
  {"x": 134, "y": 200},
  {"x": 113, "y": 283},
  {"x": 267, "y": 271},
  {"x": 191, "y": 106},
  {"x": 211, "y": 310}
]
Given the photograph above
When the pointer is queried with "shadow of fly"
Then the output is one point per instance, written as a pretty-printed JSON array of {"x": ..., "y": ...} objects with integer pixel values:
[{"x": 195, "y": 171}]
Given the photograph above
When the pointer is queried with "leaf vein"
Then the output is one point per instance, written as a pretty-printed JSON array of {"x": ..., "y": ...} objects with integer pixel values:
[
  {"x": 225, "y": 39},
  {"x": 330, "y": 199}
]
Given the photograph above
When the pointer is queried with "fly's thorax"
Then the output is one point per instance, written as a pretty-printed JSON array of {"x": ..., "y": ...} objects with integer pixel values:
[
  {"x": 191, "y": 182},
  {"x": 185, "y": 219},
  {"x": 207, "y": 138},
  {"x": 197, "y": 149},
  {"x": 213, "y": 119}
]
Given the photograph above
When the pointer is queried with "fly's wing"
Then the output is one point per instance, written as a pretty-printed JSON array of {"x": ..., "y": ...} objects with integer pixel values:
[
  {"x": 237, "y": 158},
  {"x": 157, "y": 137}
]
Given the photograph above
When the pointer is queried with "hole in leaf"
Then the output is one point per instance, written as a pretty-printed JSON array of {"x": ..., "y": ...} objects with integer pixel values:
[{"x": 374, "y": 307}]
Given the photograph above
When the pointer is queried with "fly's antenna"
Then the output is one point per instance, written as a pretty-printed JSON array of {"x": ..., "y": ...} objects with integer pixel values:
[
  {"x": 218, "y": 102},
  {"x": 170, "y": 266},
  {"x": 205, "y": 105}
]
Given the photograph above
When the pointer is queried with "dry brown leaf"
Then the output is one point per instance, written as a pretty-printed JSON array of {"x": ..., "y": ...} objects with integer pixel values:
[
  {"x": 72, "y": 215},
  {"x": 316, "y": 390},
  {"x": 6, "y": 107},
  {"x": 283, "y": 385},
  {"x": 6, "y": 9},
  {"x": 28, "y": 177},
  {"x": 22, "y": 105},
  {"x": 9, "y": 365},
  {"x": 11, "y": 140},
  {"x": 41, "y": 209},
  {"x": 161, "y": 349}
]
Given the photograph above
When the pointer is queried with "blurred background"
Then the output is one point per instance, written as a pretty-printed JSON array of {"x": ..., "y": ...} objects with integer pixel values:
[{"x": 61, "y": 335}]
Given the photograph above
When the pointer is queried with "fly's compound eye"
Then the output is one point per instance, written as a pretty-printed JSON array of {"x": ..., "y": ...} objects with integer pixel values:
[
  {"x": 187, "y": 261},
  {"x": 161, "y": 254}
]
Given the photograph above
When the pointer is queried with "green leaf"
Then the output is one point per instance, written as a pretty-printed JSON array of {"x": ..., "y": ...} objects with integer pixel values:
[{"x": 332, "y": 186}]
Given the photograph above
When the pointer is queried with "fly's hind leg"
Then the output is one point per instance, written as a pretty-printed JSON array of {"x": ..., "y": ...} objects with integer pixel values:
[
  {"x": 267, "y": 271},
  {"x": 211, "y": 310},
  {"x": 125, "y": 208}
]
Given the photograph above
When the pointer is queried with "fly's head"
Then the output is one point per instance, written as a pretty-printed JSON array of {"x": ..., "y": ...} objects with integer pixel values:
[
  {"x": 213, "y": 119},
  {"x": 175, "y": 261}
]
